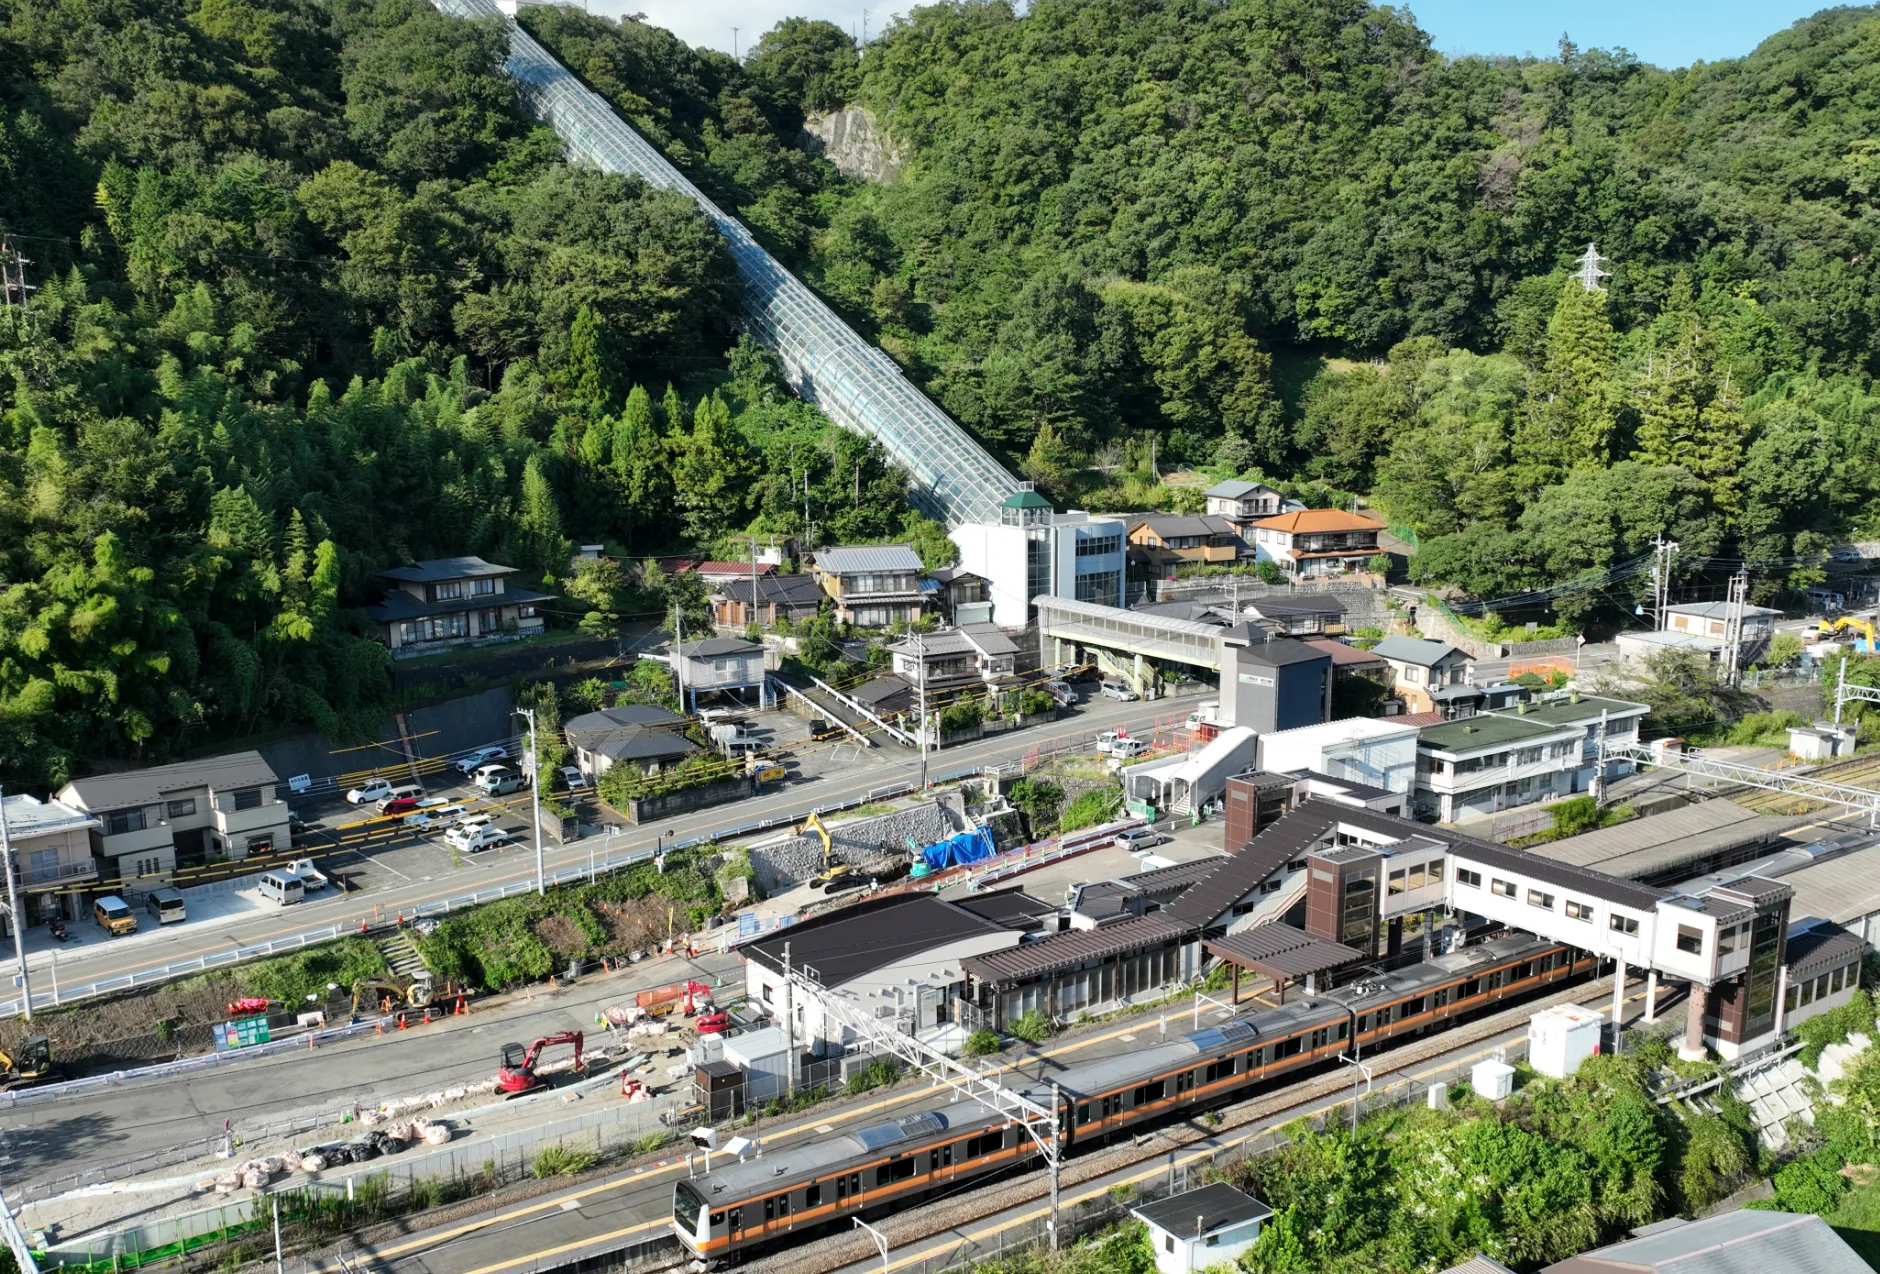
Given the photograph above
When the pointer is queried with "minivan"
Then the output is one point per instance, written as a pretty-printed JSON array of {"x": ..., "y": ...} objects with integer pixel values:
[
  {"x": 413, "y": 792},
  {"x": 167, "y": 905},
  {"x": 113, "y": 916},
  {"x": 499, "y": 782},
  {"x": 286, "y": 890}
]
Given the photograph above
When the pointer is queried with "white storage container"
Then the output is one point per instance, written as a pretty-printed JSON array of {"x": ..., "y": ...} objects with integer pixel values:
[
  {"x": 1561, "y": 1037},
  {"x": 762, "y": 1056},
  {"x": 1493, "y": 1080}
]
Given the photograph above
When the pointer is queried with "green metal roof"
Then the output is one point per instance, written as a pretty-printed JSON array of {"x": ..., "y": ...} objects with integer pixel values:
[
  {"x": 1585, "y": 712},
  {"x": 1025, "y": 500},
  {"x": 1489, "y": 730}
]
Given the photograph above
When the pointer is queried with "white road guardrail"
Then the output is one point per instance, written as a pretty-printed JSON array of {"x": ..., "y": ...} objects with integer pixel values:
[{"x": 602, "y": 861}]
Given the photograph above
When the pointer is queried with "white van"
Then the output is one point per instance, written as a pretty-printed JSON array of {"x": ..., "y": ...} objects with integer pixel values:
[{"x": 286, "y": 890}]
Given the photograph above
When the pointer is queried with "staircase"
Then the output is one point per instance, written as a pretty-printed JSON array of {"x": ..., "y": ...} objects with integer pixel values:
[{"x": 401, "y": 954}]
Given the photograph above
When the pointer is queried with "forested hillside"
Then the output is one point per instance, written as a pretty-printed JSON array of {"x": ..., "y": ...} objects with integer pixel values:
[
  {"x": 314, "y": 298},
  {"x": 1176, "y": 219}
]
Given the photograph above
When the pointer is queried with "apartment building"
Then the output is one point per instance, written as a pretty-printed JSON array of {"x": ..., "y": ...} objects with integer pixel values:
[
  {"x": 52, "y": 844},
  {"x": 1497, "y": 761},
  {"x": 152, "y": 821}
]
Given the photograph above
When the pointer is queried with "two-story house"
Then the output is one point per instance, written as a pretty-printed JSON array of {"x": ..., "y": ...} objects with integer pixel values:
[
  {"x": 1420, "y": 669},
  {"x": 1243, "y": 504},
  {"x": 766, "y": 600},
  {"x": 453, "y": 601},
  {"x": 723, "y": 665},
  {"x": 964, "y": 597},
  {"x": 1313, "y": 542},
  {"x": 151, "y": 821},
  {"x": 955, "y": 656},
  {"x": 874, "y": 585},
  {"x": 1161, "y": 542},
  {"x": 52, "y": 844}
]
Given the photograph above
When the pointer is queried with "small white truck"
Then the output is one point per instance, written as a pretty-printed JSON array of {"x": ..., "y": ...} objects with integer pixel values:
[{"x": 311, "y": 877}]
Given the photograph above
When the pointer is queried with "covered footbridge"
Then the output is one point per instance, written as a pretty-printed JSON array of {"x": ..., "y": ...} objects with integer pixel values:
[{"x": 1130, "y": 645}]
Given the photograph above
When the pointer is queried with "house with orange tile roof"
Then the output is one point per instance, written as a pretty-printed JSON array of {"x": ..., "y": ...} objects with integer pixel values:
[{"x": 1313, "y": 542}]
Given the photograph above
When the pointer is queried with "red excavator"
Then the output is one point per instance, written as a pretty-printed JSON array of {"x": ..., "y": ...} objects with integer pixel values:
[{"x": 516, "y": 1075}]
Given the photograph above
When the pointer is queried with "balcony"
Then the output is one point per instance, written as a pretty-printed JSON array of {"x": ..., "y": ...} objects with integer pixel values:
[
  {"x": 156, "y": 836},
  {"x": 62, "y": 872},
  {"x": 268, "y": 815}
]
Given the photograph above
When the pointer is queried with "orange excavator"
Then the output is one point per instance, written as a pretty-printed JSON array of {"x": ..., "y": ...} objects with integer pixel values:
[{"x": 516, "y": 1074}]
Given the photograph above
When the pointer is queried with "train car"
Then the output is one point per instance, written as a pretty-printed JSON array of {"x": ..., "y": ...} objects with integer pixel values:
[
  {"x": 759, "y": 1201},
  {"x": 864, "y": 1173}
]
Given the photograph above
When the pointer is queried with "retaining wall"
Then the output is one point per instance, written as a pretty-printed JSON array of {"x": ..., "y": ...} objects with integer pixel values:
[{"x": 789, "y": 860}]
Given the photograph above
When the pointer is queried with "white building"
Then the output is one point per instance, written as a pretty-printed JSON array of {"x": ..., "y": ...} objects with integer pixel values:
[
  {"x": 1200, "y": 1229},
  {"x": 223, "y": 806},
  {"x": 1502, "y": 760},
  {"x": 1033, "y": 551},
  {"x": 1373, "y": 751},
  {"x": 895, "y": 959},
  {"x": 52, "y": 844}
]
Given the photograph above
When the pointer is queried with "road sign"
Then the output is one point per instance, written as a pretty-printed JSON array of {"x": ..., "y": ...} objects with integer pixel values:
[{"x": 241, "y": 1033}]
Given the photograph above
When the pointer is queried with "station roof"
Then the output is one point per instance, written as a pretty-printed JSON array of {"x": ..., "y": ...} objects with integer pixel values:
[
  {"x": 841, "y": 946},
  {"x": 1070, "y": 948},
  {"x": 1281, "y": 951},
  {"x": 1660, "y": 844}
]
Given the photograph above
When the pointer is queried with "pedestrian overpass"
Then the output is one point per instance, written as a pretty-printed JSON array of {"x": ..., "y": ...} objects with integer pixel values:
[{"x": 1128, "y": 643}]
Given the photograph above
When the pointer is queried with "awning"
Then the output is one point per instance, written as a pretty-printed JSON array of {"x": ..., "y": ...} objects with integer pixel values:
[{"x": 1281, "y": 951}]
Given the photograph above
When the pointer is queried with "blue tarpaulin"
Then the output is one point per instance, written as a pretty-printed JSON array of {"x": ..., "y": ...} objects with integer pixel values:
[{"x": 963, "y": 847}]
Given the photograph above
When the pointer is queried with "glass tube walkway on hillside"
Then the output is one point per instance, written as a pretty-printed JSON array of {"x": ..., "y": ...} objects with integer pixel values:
[{"x": 854, "y": 383}]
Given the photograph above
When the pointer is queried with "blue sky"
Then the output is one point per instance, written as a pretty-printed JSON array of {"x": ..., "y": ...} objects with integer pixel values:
[{"x": 1667, "y": 32}]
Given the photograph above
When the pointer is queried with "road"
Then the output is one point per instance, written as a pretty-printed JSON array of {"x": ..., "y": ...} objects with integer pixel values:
[
  {"x": 394, "y": 886},
  {"x": 116, "y": 1124}
]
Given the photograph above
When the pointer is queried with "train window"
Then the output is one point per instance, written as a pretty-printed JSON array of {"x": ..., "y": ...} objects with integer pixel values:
[
  {"x": 946, "y": 1155},
  {"x": 1494, "y": 980},
  {"x": 1318, "y": 1038},
  {"x": 812, "y": 1194},
  {"x": 718, "y": 1219},
  {"x": 1256, "y": 1059},
  {"x": 1186, "y": 1080},
  {"x": 1364, "y": 1023},
  {"x": 855, "y": 1183},
  {"x": 1439, "y": 998},
  {"x": 1470, "y": 988},
  {"x": 1220, "y": 1070},
  {"x": 897, "y": 1170},
  {"x": 1286, "y": 1048},
  {"x": 783, "y": 1206},
  {"x": 842, "y": 1188},
  {"x": 1146, "y": 1093},
  {"x": 1083, "y": 1113},
  {"x": 737, "y": 1220},
  {"x": 770, "y": 1209},
  {"x": 1410, "y": 1008},
  {"x": 1344, "y": 1029},
  {"x": 984, "y": 1144},
  {"x": 1524, "y": 971}
]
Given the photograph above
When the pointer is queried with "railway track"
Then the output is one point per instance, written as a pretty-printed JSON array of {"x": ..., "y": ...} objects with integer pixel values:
[
  {"x": 1863, "y": 771},
  {"x": 835, "y": 1252}
]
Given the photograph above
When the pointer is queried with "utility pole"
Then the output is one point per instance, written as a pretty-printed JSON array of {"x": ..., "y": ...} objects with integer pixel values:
[
  {"x": 1057, "y": 1140},
  {"x": 1663, "y": 551},
  {"x": 920, "y": 656},
  {"x": 1733, "y": 627},
  {"x": 1599, "y": 761},
  {"x": 14, "y": 289},
  {"x": 789, "y": 1029},
  {"x": 13, "y": 913},
  {"x": 535, "y": 798},
  {"x": 734, "y": 44},
  {"x": 678, "y": 655}
]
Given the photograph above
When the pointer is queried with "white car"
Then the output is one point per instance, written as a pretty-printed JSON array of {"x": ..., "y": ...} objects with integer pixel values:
[
  {"x": 371, "y": 792},
  {"x": 471, "y": 762},
  {"x": 1107, "y": 741},
  {"x": 439, "y": 815},
  {"x": 1118, "y": 691},
  {"x": 1138, "y": 838},
  {"x": 470, "y": 840},
  {"x": 1123, "y": 749}
]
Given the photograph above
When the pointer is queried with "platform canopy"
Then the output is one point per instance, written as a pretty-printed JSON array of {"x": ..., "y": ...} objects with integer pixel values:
[{"x": 1280, "y": 951}]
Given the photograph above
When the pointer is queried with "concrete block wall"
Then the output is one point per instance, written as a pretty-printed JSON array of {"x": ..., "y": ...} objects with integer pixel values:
[{"x": 790, "y": 860}]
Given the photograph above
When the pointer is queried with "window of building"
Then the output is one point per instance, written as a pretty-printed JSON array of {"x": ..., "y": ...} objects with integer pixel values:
[
  {"x": 1099, "y": 586},
  {"x": 1538, "y": 899},
  {"x": 437, "y": 628},
  {"x": 1416, "y": 877},
  {"x": 183, "y": 808},
  {"x": 1464, "y": 876},
  {"x": 1690, "y": 941},
  {"x": 148, "y": 866},
  {"x": 249, "y": 798},
  {"x": 261, "y": 844},
  {"x": 482, "y": 587},
  {"x": 1622, "y": 924},
  {"x": 526, "y": 612},
  {"x": 448, "y": 591},
  {"x": 1413, "y": 675},
  {"x": 44, "y": 865},
  {"x": 1099, "y": 545},
  {"x": 1726, "y": 940},
  {"x": 1577, "y": 910},
  {"x": 1503, "y": 887},
  {"x": 1435, "y": 869},
  {"x": 1397, "y": 880},
  {"x": 122, "y": 822}
]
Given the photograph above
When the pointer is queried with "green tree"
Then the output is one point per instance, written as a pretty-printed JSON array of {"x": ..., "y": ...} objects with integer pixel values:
[
  {"x": 1570, "y": 416},
  {"x": 540, "y": 543},
  {"x": 712, "y": 470}
]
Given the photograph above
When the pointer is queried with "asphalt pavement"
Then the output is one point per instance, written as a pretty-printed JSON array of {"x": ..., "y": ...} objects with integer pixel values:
[{"x": 398, "y": 877}]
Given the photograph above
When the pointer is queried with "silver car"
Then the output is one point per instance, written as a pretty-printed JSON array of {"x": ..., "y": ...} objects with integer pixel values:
[{"x": 1118, "y": 691}]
